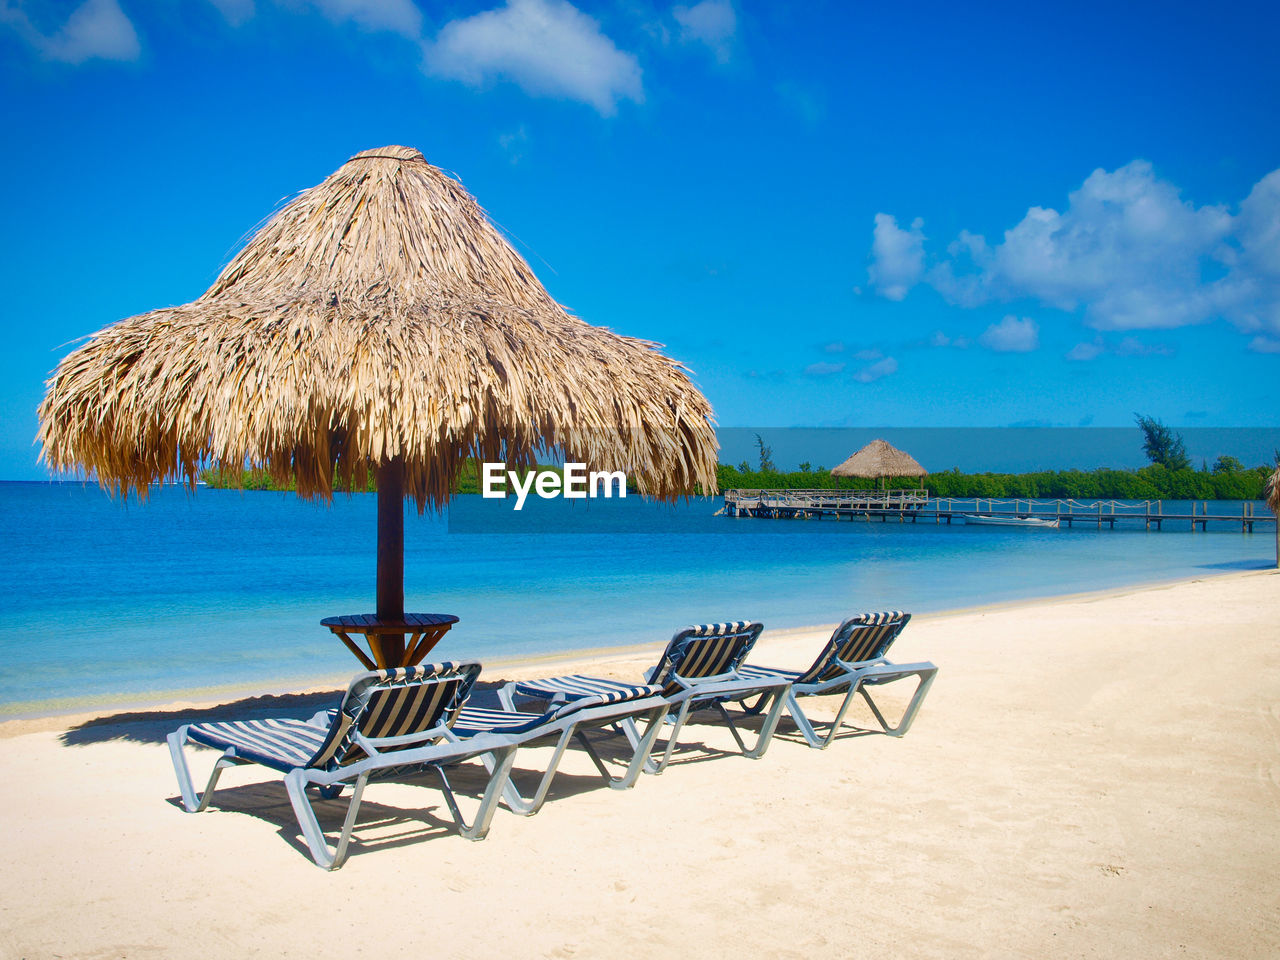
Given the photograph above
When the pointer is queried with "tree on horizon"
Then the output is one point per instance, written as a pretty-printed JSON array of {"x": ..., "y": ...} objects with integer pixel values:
[
  {"x": 1162, "y": 445},
  {"x": 766, "y": 455}
]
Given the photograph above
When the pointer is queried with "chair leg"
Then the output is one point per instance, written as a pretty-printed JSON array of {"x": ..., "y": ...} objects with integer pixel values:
[
  {"x": 926, "y": 676},
  {"x": 498, "y": 779},
  {"x": 806, "y": 727},
  {"x": 770, "y": 724},
  {"x": 766, "y": 730},
  {"x": 838, "y": 722},
  {"x": 643, "y": 748},
  {"x": 858, "y": 687},
  {"x": 295, "y": 782},
  {"x": 754, "y": 753},
  {"x": 802, "y": 722},
  {"x": 810, "y": 733},
  {"x": 657, "y": 768},
  {"x": 524, "y": 806},
  {"x": 728, "y": 720},
  {"x": 594, "y": 754},
  {"x": 191, "y": 801},
  {"x": 527, "y": 807}
]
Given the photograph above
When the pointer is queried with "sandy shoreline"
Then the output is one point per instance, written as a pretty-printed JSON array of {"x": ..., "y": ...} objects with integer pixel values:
[{"x": 1091, "y": 776}]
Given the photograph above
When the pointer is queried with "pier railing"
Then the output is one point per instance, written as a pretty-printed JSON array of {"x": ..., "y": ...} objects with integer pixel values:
[
  {"x": 1025, "y": 506},
  {"x": 829, "y": 499},
  {"x": 913, "y": 505}
]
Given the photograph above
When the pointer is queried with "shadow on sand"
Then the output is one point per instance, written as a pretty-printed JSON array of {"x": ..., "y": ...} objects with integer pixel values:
[{"x": 152, "y": 726}]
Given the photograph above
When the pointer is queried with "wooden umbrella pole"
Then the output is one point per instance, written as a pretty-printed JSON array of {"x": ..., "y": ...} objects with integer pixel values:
[{"x": 391, "y": 555}]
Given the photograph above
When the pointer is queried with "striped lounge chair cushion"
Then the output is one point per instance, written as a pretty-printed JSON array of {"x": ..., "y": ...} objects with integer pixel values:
[
  {"x": 575, "y": 687},
  {"x": 749, "y": 672},
  {"x": 473, "y": 720},
  {"x": 280, "y": 744}
]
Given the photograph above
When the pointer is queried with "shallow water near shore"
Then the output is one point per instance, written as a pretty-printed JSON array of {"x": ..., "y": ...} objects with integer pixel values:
[{"x": 108, "y": 599}]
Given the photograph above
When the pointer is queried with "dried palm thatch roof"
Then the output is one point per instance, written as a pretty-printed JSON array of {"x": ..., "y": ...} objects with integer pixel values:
[
  {"x": 880, "y": 459},
  {"x": 378, "y": 314},
  {"x": 1271, "y": 494}
]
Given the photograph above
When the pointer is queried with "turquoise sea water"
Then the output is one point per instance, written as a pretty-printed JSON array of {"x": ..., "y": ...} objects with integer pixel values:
[{"x": 104, "y": 599}]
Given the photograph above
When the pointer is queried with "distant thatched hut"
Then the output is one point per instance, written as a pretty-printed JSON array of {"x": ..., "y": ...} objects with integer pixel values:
[{"x": 879, "y": 459}]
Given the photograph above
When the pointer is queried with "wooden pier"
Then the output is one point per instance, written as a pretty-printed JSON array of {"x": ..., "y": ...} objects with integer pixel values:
[{"x": 916, "y": 505}]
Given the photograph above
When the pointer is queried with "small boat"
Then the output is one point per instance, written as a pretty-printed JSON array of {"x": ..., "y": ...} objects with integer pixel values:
[{"x": 1012, "y": 520}]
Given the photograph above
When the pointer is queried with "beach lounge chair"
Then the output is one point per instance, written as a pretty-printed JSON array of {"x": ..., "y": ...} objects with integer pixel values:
[
  {"x": 852, "y": 660},
  {"x": 394, "y": 735},
  {"x": 390, "y": 721},
  {"x": 698, "y": 668}
]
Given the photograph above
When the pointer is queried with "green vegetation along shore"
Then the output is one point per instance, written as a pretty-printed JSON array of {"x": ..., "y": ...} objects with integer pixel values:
[{"x": 1154, "y": 482}]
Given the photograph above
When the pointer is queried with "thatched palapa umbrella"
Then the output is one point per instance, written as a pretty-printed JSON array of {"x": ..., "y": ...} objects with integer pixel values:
[
  {"x": 878, "y": 460},
  {"x": 1271, "y": 494},
  {"x": 377, "y": 324}
]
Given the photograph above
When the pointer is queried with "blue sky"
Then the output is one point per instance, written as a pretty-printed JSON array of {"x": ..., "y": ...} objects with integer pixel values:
[{"x": 838, "y": 214}]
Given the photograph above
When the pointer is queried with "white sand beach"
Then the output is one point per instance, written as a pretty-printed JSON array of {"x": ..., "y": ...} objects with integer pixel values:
[{"x": 1094, "y": 776}]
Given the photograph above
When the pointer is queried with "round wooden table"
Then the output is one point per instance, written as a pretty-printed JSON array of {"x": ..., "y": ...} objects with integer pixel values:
[{"x": 386, "y": 639}]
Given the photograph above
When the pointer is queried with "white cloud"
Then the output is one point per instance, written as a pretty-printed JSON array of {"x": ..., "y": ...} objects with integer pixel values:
[
  {"x": 1127, "y": 249},
  {"x": 1258, "y": 226},
  {"x": 940, "y": 339},
  {"x": 1127, "y": 252},
  {"x": 1125, "y": 241},
  {"x": 712, "y": 22},
  {"x": 823, "y": 369},
  {"x": 547, "y": 47},
  {"x": 1133, "y": 347},
  {"x": 515, "y": 143},
  {"x": 871, "y": 354},
  {"x": 1254, "y": 281},
  {"x": 897, "y": 256},
  {"x": 96, "y": 30},
  {"x": 395, "y": 16},
  {"x": 1084, "y": 352},
  {"x": 1011, "y": 335},
  {"x": 1128, "y": 347},
  {"x": 1261, "y": 344},
  {"x": 881, "y": 368},
  {"x": 836, "y": 346}
]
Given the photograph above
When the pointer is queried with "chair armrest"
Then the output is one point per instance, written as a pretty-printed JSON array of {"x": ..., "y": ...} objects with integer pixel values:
[
  {"x": 726, "y": 685},
  {"x": 892, "y": 671},
  {"x": 859, "y": 665},
  {"x": 372, "y": 745}
]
